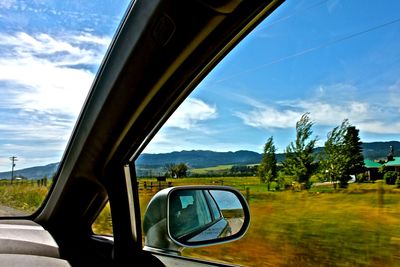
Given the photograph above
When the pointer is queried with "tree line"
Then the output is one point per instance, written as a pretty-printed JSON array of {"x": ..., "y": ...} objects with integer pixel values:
[
  {"x": 340, "y": 159},
  {"x": 342, "y": 156}
]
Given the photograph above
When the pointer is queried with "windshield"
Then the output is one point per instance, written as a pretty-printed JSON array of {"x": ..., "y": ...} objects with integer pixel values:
[{"x": 50, "y": 52}]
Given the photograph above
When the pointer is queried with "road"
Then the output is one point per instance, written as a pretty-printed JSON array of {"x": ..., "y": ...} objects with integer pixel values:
[
  {"x": 7, "y": 211},
  {"x": 235, "y": 224}
]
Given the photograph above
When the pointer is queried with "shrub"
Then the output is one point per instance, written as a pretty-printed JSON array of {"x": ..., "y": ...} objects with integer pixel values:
[
  {"x": 317, "y": 178},
  {"x": 362, "y": 177},
  {"x": 398, "y": 181},
  {"x": 284, "y": 181},
  {"x": 390, "y": 177}
]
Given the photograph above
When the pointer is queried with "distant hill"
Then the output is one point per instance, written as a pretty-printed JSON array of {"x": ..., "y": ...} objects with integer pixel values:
[
  {"x": 379, "y": 150},
  {"x": 375, "y": 150},
  {"x": 199, "y": 158},
  {"x": 37, "y": 172},
  {"x": 204, "y": 159}
]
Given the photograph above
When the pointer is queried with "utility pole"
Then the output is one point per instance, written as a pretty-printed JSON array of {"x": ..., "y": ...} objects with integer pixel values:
[{"x": 13, "y": 160}]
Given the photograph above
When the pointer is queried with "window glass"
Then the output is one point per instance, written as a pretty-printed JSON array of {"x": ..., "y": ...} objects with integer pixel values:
[
  {"x": 50, "y": 52},
  {"x": 190, "y": 214},
  {"x": 213, "y": 206},
  {"x": 302, "y": 117},
  {"x": 103, "y": 223}
]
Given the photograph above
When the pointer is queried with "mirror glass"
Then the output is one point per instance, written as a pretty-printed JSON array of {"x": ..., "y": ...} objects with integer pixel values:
[{"x": 197, "y": 215}]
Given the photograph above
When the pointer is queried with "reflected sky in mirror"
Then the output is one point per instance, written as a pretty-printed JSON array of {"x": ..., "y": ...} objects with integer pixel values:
[{"x": 226, "y": 200}]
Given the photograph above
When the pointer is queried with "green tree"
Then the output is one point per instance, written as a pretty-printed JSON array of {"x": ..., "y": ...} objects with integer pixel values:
[
  {"x": 267, "y": 168},
  {"x": 343, "y": 153},
  {"x": 176, "y": 170},
  {"x": 299, "y": 158},
  {"x": 354, "y": 151},
  {"x": 181, "y": 170},
  {"x": 335, "y": 159}
]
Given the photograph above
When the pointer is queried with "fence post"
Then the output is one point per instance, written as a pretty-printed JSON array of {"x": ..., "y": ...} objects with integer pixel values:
[
  {"x": 248, "y": 195},
  {"x": 380, "y": 191}
]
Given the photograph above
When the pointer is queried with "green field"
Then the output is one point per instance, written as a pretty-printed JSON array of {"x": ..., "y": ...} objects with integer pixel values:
[
  {"x": 357, "y": 226},
  {"x": 215, "y": 169}
]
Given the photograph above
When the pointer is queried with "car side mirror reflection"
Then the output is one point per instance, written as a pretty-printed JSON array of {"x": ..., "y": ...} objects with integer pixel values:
[
  {"x": 195, "y": 216},
  {"x": 201, "y": 215}
]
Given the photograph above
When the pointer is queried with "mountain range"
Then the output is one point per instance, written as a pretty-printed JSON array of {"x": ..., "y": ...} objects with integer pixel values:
[{"x": 203, "y": 159}]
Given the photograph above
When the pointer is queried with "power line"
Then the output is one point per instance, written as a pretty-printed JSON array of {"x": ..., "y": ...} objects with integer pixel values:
[
  {"x": 312, "y": 49},
  {"x": 295, "y": 12},
  {"x": 13, "y": 160}
]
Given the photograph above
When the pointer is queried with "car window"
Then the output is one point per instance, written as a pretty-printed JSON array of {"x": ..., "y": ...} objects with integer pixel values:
[
  {"x": 214, "y": 209},
  {"x": 103, "y": 223},
  {"x": 190, "y": 213},
  {"x": 302, "y": 117},
  {"x": 50, "y": 52}
]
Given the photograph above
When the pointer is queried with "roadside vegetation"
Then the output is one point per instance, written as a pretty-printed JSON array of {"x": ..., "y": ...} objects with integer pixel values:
[{"x": 25, "y": 197}]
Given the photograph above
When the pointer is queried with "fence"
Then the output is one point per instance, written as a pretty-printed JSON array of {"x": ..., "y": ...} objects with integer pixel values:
[
  {"x": 33, "y": 182},
  {"x": 145, "y": 185}
]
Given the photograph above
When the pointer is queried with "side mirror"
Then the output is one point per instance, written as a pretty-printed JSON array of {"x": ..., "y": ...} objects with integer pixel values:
[{"x": 192, "y": 216}]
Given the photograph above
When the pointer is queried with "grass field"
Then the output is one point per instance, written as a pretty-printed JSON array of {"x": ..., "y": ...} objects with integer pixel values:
[
  {"x": 26, "y": 197},
  {"x": 216, "y": 169},
  {"x": 329, "y": 229},
  {"x": 358, "y": 226}
]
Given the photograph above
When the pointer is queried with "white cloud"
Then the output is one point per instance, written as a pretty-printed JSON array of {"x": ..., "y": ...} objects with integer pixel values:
[
  {"x": 7, "y": 3},
  {"x": 191, "y": 116},
  {"x": 190, "y": 113},
  {"x": 39, "y": 85},
  {"x": 64, "y": 50},
  {"x": 394, "y": 95},
  {"x": 44, "y": 81},
  {"x": 268, "y": 117},
  {"x": 43, "y": 70},
  {"x": 329, "y": 108},
  {"x": 332, "y": 114},
  {"x": 90, "y": 38}
]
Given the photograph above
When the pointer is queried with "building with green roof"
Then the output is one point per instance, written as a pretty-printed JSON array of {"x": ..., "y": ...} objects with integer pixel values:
[
  {"x": 370, "y": 164},
  {"x": 372, "y": 169},
  {"x": 393, "y": 165}
]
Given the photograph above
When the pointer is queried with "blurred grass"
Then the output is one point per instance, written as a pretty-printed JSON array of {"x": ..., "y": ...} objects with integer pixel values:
[
  {"x": 24, "y": 197},
  {"x": 357, "y": 226},
  {"x": 354, "y": 227}
]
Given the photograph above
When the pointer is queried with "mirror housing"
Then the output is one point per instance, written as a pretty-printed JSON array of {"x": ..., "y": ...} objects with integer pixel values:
[{"x": 194, "y": 216}]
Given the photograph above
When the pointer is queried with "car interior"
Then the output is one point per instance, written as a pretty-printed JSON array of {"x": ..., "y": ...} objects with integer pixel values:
[{"x": 161, "y": 51}]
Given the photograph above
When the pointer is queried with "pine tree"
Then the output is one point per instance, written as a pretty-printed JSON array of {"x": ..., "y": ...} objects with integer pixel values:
[{"x": 354, "y": 151}]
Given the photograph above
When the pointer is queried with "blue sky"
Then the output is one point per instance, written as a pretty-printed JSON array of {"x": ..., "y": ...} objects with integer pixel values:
[{"x": 335, "y": 59}]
